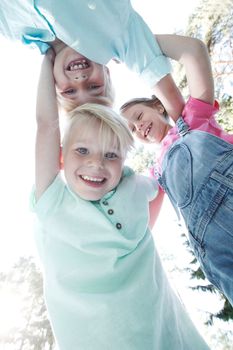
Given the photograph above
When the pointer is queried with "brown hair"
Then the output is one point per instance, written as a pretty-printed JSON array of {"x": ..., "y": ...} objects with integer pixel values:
[{"x": 145, "y": 101}]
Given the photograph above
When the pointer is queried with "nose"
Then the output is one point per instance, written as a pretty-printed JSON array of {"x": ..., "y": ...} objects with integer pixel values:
[
  {"x": 81, "y": 77},
  {"x": 96, "y": 161},
  {"x": 139, "y": 125}
]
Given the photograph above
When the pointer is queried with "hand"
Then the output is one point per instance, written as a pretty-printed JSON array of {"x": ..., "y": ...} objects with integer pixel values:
[{"x": 50, "y": 54}]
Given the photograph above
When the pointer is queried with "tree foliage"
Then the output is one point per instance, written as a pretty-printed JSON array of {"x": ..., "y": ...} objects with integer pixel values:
[
  {"x": 141, "y": 159},
  {"x": 33, "y": 332},
  {"x": 212, "y": 22}
]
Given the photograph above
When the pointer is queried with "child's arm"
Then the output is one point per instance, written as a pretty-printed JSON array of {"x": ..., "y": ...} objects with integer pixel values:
[
  {"x": 193, "y": 54},
  {"x": 170, "y": 96},
  {"x": 48, "y": 133}
]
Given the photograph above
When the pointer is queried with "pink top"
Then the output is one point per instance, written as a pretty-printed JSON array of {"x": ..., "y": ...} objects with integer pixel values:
[{"x": 198, "y": 115}]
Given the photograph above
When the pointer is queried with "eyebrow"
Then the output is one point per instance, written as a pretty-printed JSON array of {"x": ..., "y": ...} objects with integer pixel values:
[
  {"x": 134, "y": 115},
  {"x": 89, "y": 98}
]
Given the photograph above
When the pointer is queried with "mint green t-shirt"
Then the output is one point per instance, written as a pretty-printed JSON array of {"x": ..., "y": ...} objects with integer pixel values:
[
  {"x": 98, "y": 29},
  {"x": 104, "y": 285}
]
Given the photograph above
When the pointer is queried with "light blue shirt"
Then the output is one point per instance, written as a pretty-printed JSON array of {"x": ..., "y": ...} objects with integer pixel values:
[
  {"x": 104, "y": 284},
  {"x": 98, "y": 29}
]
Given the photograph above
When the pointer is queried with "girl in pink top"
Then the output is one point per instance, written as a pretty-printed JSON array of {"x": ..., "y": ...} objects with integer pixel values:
[{"x": 195, "y": 166}]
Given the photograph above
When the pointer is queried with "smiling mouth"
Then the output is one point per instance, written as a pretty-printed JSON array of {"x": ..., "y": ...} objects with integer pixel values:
[
  {"x": 147, "y": 130},
  {"x": 93, "y": 180},
  {"x": 77, "y": 65}
]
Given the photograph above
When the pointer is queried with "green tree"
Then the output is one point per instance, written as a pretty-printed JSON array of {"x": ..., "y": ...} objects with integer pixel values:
[
  {"x": 141, "y": 159},
  {"x": 212, "y": 22},
  {"x": 24, "y": 279}
]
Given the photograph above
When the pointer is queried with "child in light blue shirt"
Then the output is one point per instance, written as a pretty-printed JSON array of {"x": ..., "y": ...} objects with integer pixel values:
[
  {"x": 104, "y": 284},
  {"x": 86, "y": 35}
]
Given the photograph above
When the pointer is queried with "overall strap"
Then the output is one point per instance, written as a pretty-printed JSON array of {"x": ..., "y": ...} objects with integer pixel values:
[{"x": 182, "y": 127}]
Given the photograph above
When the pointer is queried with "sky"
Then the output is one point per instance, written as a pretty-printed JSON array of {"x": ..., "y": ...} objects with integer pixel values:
[{"x": 19, "y": 70}]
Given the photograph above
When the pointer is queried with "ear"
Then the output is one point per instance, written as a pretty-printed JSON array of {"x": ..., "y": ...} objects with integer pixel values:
[
  {"x": 61, "y": 159},
  {"x": 107, "y": 71},
  {"x": 159, "y": 107}
]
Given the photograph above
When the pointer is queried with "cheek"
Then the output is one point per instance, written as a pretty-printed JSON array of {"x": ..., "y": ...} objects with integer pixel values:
[
  {"x": 56, "y": 70},
  {"x": 58, "y": 74},
  {"x": 69, "y": 161},
  {"x": 116, "y": 171}
]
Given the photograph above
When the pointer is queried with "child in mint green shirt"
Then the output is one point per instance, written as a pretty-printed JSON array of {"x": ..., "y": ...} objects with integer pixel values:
[
  {"x": 105, "y": 288},
  {"x": 86, "y": 35}
]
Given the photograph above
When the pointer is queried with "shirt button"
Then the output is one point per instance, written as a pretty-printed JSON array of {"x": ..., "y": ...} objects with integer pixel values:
[
  {"x": 110, "y": 211},
  {"x": 118, "y": 226},
  {"x": 105, "y": 202}
]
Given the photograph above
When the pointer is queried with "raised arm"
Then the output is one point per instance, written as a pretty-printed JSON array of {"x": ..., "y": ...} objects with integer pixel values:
[
  {"x": 170, "y": 96},
  {"x": 48, "y": 133},
  {"x": 193, "y": 54}
]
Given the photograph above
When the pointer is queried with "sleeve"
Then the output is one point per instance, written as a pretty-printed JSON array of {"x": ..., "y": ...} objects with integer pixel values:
[
  {"x": 20, "y": 20},
  {"x": 150, "y": 186},
  {"x": 142, "y": 53},
  {"x": 197, "y": 112},
  {"x": 49, "y": 200}
]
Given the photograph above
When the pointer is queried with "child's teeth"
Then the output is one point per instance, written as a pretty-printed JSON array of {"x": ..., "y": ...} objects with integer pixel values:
[
  {"x": 85, "y": 177},
  {"x": 78, "y": 65},
  {"x": 147, "y": 130}
]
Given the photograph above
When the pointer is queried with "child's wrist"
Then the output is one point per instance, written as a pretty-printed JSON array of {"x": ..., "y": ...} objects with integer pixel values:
[{"x": 50, "y": 55}]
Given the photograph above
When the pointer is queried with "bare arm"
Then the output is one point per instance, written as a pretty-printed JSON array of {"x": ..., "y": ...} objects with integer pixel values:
[
  {"x": 48, "y": 132},
  {"x": 170, "y": 96},
  {"x": 193, "y": 54},
  {"x": 155, "y": 207}
]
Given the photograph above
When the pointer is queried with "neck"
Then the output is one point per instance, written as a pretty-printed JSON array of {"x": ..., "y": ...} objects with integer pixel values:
[{"x": 168, "y": 127}]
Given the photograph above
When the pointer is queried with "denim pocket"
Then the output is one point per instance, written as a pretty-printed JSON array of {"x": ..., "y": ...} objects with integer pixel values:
[
  {"x": 177, "y": 175},
  {"x": 224, "y": 214}
]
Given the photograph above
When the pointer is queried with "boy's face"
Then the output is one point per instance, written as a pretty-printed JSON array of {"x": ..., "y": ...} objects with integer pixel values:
[
  {"x": 79, "y": 79},
  {"x": 147, "y": 123},
  {"x": 90, "y": 173}
]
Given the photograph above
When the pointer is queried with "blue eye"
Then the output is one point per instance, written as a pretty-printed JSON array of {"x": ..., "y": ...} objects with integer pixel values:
[
  {"x": 69, "y": 92},
  {"x": 111, "y": 155},
  {"x": 82, "y": 150}
]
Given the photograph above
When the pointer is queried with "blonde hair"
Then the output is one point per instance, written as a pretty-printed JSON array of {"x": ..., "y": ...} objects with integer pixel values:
[
  {"x": 113, "y": 129},
  {"x": 67, "y": 105}
]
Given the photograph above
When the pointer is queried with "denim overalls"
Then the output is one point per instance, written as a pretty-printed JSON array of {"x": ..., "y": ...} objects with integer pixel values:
[{"x": 197, "y": 175}]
